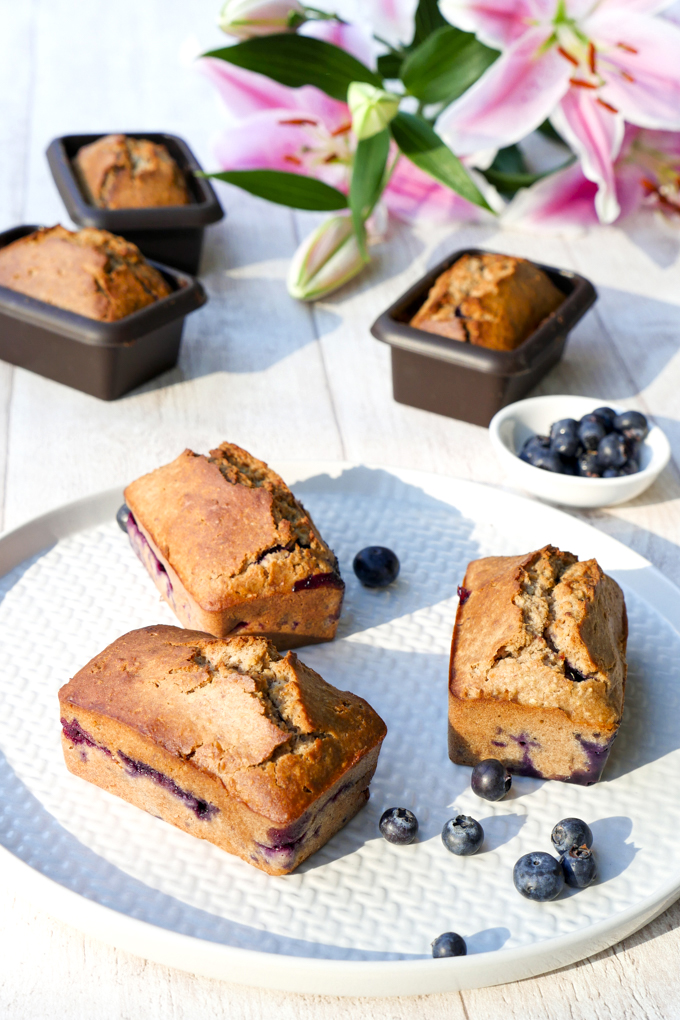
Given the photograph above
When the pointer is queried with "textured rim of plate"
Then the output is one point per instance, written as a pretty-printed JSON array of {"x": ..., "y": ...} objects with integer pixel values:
[{"x": 343, "y": 977}]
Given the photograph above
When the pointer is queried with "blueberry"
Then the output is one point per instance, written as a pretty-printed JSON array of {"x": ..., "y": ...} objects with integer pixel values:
[
  {"x": 449, "y": 944},
  {"x": 547, "y": 461},
  {"x": 490, "y": 780},
  {"x": 532, "y": 446},
  {"x": 579, "y": 867},
  {"x": 612, "y": 473},
  {"x": 376, "y": 566},
  {"x": 612, "y": 452},
  {"x": 398, "y": 825},
  {"x": 122, "y": 517},
  {"x": 571, "y": 832},
  {"x": 588, "y": 464},
  {"x": 563, "y": 437},
  {"x": 462, "y": 835},
  {"x": 606, "y": 416},
  {"x": 591, "y": 431},
  {"x": 632, "y": 425},
  {"x": 569, "y": 465},
  {"x": 631, "y": 467},
  {"x": 538, "y": 876}
]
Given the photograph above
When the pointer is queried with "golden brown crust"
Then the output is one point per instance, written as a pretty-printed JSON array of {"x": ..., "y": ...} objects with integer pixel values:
[
  {"x": 90, "y": 272},
  {"x": 258, "y": 737},
  {"x": 237, "y": 547},
  {"x": 491, "y": 300},
  {"x": 117, "y": 172},
  {"x": 539, "y": 645}
]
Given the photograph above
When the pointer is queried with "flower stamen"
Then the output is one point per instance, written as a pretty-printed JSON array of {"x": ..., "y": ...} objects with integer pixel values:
[
  {"x": 591, "y": 58},
  {"x": 626, "y": 47},
  {"x": 627, "y": 76},
  {"x": 567, "y": 56},
  {"x": 607, "y": 106},
  {"x": 580, "y": 83}
]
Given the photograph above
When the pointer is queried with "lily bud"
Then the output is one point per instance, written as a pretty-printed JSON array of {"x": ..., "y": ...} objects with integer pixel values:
[
  {"x": 247, "y": 18},
  {"x": 372, "y": 109},
  {"x": 325, "y": 260}
]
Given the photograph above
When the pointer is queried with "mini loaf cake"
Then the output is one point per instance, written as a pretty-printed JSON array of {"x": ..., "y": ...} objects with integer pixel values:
[
  {"x": 232, "y": 551},
  {"x": 91, "y": 272},
  {"x": 226, "y": 740},
  {"x": 490, "y": 300},
  {"x": 538, "y": 666},
  {"x": 117, "y": 172}
]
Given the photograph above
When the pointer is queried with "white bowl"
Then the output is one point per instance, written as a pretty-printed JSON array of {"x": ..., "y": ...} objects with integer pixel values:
[{"x": 513, "y": 425}]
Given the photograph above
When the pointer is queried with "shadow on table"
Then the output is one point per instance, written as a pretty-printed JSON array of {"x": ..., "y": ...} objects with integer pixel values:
[{"x": 644, "y": 332}]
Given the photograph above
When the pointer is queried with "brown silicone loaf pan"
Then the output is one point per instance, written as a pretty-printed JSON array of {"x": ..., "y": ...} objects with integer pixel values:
[
  {"x": 172, "y": 234},
  {"x": 465, "y": 381},
  {"x": 104, "y": 359}
]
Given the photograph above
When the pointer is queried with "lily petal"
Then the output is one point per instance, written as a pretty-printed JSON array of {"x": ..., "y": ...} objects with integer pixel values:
[
  {"x": 246, "y": 92},
  {"x": 510, "y": 100},
  {"x": 391, "y": 20},
  {"x": 563, "y": 201},
  {"x": 282, "y": 140},
  {"x": 595, "y": 134},
  {"x": 355, "y": 39},
  {"x": 642, "y": 81},
  {"x": 625, "y": 7},
  {"x": 413, "y": 195},
  {"x": 498, "y": 23}
]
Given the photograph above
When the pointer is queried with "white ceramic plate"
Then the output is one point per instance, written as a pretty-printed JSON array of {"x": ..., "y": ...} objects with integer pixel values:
[{"x": 358, "y": 917}]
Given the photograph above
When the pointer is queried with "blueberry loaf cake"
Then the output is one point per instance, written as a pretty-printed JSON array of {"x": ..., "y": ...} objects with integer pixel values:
[
  {"x": 538, "y": 665},
  {"x": 90, "y": 272},
  {"x": 117, "y": 172},
  {"x": 232, "y": 551},
  {"x": 490, "y": 300},
  {"x": 226, "y": 739}
]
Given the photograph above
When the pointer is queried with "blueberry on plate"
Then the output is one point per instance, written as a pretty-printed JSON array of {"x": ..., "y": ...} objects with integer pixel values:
[
  {"x": 398, "y": 825},
  {"x": 449, "y": 944},
  {"x": 490, "y": 780},
  {"x": 588, "y": 465},
  {"x": 462, "y": 835},
  {"x": 122, "y": 517},
  {"x": 612, "y": 452},
  {"x": 632, "y": 425},
  {"x": 376, "y": 566},
  {"x": 563, "y": 437},
  {"x": 579, "y": 867},
  {"x": 606, "y": 416},
  {"x": 571, "y": 832},
  {"x": 591, "y": 431},
  {"x": 538, "y": 876}
]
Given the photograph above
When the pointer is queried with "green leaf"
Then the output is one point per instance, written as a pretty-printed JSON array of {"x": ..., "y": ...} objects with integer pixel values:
[
  {"x": 445, "y": 65},
  {"x": 508, "y": 183},
  {"x": 509, "y": 160},
  {"x": 424, "y": 147},
  {"x": 368, "y": 178},
  {"x": 389, "y": 65},
  {"x": 427, "y": 20},
  {"x": 293, "y": 190},
  {"x": 297, "y": 60}
]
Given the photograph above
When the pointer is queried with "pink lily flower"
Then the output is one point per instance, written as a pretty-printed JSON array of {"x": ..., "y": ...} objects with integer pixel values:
[
  {"x": 588, "y": 66},
  {"x": 646, "y": 173},
  {"x": 304, "y": 131}
]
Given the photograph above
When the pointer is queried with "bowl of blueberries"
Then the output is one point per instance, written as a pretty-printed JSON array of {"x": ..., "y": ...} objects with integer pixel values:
[{"x": 578, "y": 451}]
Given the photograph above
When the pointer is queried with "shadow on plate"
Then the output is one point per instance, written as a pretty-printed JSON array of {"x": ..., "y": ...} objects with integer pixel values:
[
  {"x": 500, "y": 829},
  {"x": 487, "y": 941},
  {"x": 610, "y": 844},
  {"x": 431, "y": 538},
  {"x": 34, "y": 836}
]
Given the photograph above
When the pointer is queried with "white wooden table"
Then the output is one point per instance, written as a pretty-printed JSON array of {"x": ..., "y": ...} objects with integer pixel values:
[{"x": 288, "y": 381}]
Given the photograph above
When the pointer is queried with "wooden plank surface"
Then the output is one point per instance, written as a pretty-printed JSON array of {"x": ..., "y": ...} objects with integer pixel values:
[{"x": 288, "y": 382}]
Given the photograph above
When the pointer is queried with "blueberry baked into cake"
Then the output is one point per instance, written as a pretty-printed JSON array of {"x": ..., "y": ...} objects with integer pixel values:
[
  {"x": 226, "y": 739},
  {"x": 538, "y": 665},
  {"x": 232, "y": 551}
]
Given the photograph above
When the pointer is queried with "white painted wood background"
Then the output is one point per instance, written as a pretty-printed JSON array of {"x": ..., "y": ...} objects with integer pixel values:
[{"x": 287, "y": 381}]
